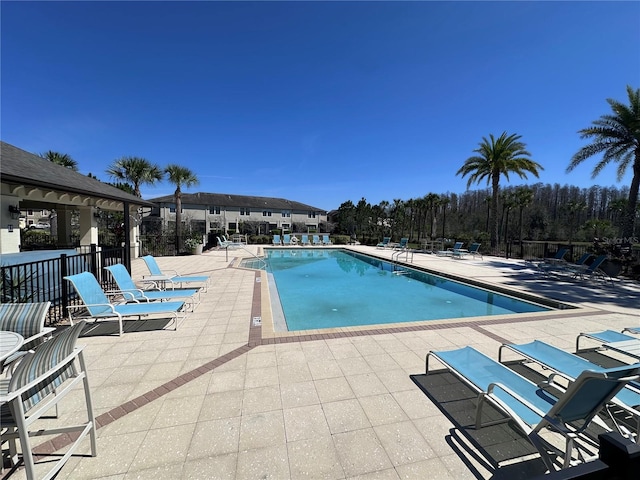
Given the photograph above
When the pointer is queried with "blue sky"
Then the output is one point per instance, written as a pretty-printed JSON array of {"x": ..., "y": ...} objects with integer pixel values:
[{"x": 318, "y": 102}]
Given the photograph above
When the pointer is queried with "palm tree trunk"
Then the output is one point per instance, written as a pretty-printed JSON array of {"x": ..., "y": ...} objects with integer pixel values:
[
  {"x": 178, "y": 195},
  {"x": 495, "y": 180},
  {"x": 630, "y": 214}
]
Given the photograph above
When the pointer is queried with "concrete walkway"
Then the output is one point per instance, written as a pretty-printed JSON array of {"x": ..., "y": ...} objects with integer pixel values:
[{"x": 225, "y": 396}]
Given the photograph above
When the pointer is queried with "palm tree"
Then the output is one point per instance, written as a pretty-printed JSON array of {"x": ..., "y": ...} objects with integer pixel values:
[
  {"x": 444, "y": 201},
  {"x": 523, "y": 198},
  {"x": 180, "y": 176},
  {"x": 497, "y": 157},
  {"x": 137, "y": 171},
  {"x": 62, "y": 159},
  {"x": 617, "y": 136}
]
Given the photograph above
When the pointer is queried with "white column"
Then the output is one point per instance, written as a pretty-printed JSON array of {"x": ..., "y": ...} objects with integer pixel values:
[
  {"x": 88, "y": 226},
  {"x": 9, "y": 225}
]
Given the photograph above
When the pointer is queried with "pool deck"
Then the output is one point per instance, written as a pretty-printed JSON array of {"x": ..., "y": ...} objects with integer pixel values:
[{"x": 225, "y": 396}]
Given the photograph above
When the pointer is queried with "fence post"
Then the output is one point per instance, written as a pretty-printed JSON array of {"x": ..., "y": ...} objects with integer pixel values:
[
  {"x": 94, "y": 260},
  {"x": 64, "y": 289}
]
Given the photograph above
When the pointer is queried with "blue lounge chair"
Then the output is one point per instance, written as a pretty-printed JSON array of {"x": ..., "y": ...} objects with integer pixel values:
[
  {"x": 326, "y": 240},
  {"x": 97, "y": 305},
  {"x": 384, "y": 243},
  {"x": 570, "y": 366},
  {"x": 316, "y": 240},
  {"x": 286, "y": 240},
  {"x": 564, "y": 267},
  {"x": 131, "y": 293},
  {"x": 605, "y": 336},
  {"x": 404, "y": 242},
  {"x": 276, "y": 240},
  {"x": 449, "y": 252},
  {"x": 592, "y": 271},
  {"x": 304, "y": 240},
  {"x": 532, "y": 408},
  {"x": 159, "y": 279},
  {"x": 463, "y": 252}
]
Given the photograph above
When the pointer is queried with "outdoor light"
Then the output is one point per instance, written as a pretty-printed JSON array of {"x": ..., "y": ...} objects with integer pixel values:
[{"x": 14, "y": 211}]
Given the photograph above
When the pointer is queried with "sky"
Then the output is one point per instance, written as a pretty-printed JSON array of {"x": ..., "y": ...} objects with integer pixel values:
[{"x": 316, "y": 102}]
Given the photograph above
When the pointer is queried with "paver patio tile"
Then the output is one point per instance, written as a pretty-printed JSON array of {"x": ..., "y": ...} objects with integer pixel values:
[
  {"x": 265, "y": 463},
  {"x": 314, "y": 458},
  {"x": 261, "y": 430},
  {"x": 303, "y": 423},
  {"x": 361, "y": 452}
]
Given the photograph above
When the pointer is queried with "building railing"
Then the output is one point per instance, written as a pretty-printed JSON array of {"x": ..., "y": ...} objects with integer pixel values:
[{"x": 43, "y": 280}]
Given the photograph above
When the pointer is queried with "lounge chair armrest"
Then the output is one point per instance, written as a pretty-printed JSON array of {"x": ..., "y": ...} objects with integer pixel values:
[
  {"x": 84, "y": 305},
  {"x": 47, "y": 331}
]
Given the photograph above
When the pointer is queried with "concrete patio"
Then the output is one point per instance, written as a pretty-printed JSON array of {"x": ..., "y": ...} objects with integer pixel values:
[{"x": 225, "y": 396}]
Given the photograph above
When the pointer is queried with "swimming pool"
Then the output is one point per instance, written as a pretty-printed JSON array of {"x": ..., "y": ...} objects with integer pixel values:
[{"x": 331, "y": 288}]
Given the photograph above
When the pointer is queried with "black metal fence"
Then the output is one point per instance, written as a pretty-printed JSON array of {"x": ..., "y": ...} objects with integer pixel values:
[{"x": 43, "y": 280}]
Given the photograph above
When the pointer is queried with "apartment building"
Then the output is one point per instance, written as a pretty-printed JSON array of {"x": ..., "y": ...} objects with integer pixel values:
[{"x": 221, "y": 212}]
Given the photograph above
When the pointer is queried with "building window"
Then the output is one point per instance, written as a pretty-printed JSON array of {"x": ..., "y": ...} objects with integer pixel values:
[
  {"x": 286, "y": 213},
  {"x": 214, "y": 210},
  {"x": 172, "y": 209},
  {"x": 245, "y": 211},
  {"x": 266, "y": 213},
  {"x": 312, "y": 215}
]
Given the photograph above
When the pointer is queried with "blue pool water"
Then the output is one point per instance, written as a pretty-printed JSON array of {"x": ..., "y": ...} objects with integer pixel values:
[{"x": 330, "y": 288}]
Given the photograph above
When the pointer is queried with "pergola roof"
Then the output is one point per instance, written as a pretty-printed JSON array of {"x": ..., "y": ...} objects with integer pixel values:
[{"x": 38, "y": 181}]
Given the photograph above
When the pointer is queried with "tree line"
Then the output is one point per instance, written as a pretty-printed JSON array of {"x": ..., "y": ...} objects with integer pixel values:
[{"x": 541, "y": 212}]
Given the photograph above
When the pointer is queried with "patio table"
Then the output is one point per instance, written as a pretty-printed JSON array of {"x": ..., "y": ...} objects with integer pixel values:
[
  {"x": 10, "y": 342},
  {"x": 628, "y": 347}
]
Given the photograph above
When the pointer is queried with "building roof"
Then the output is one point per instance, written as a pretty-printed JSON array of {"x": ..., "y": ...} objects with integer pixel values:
[
  {"x": 20, "y": 167},
  {"x": 230, "y": 200}
]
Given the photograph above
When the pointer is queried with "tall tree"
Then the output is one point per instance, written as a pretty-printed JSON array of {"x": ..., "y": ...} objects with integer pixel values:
[
  {"x": 180, "y": 176},
  {"x": 137, "y": 171},
  {"x": 523, "y": 198},
  {"x": 498, "y": 157},
  {"x": 62, "y": 159},
  {"x": 444, "y": 201},
  {"x": 617, "y": 137}
]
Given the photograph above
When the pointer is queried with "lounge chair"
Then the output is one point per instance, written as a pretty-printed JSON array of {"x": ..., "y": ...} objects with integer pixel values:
[
  {"x": 592, "y": 271},
  {"x": 304, "y": 240},
  {"x": 29, "y": 394},
  {"x": 384, "y": 243},
  {"x": 326, "y": 240},
  {"x": 533, "y": 409},
  {"x": 276, "y": 240},
  {"x": 565, "y": 267},
  {"x": 558, "y": 257},
  {"x": 474, "y": 250},
  {"x": 463, "y": 252},
  {"x": 605, "y": 336},
  {"x": 449, "y": 252},
  {"x": 131, "y": 293},
  {"x": 316, "y": 240},
  {"x": 170, "y": 278},
  {"x": 224, "y": 243},
  {"x": 27, "y": 319},
  {"x": 286, "y": 240},
  {"x": 97, "y": 305},
  {"x": 404, "y": 242},
  {"x": 570, "y": 366}
]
